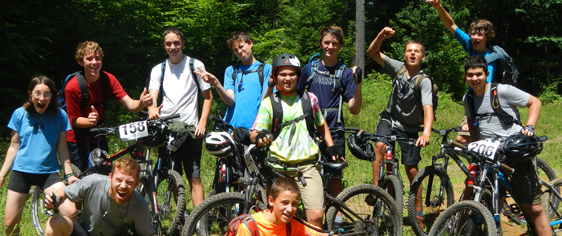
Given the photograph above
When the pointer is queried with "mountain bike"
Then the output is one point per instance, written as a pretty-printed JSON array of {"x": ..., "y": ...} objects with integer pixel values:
[
  {"x": 437, "y": 189},
  {"x": 367, "y": 209},
  {"x": 490, "y": 175},
  {"x": 165, "y": 210}
]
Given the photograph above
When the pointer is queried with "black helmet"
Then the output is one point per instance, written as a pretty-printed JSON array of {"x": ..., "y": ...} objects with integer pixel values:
[
  {"x": 359, "y": 147},
  {"x": 520, "y": 147},
  {"x": 98, "y": 161},
  {"x": 286, "y": 59},
  {"x": 157, "y": 135}
]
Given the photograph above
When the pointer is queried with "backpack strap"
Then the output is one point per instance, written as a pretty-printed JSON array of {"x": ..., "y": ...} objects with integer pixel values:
[
  {"x": 419, "y": 78},
  {"x": 505, "y": 118},
  {"x": 192, "y": 68},
  {"x": 277, "y": 110},
  {"x": 84, "y": 91},
  {"x": 337, "y": 77},
  {"x": 288, "y": 228},
  {"x": 235, "y": 70},
  {"x": 398, "y": 73}
]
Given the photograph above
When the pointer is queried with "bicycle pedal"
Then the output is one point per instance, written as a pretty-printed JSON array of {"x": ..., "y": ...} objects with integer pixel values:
[{"x": 405, "y": 204}]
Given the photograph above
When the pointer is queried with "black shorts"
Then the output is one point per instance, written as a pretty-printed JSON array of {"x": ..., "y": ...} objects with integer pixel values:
[
  {"x": 339, "y": 143},
  {"x": 188, "y": 155},
  {"x": 525, "y": 183},
  {"x": 21, "y": 182},
  {"x": 410, "y": 154},
  {"x": 78, "y": 230}
]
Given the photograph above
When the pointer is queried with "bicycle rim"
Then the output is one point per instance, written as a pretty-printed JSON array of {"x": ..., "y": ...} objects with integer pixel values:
[
  {"x": 212, "y": 216},
  {"x": 465, "y": 218}
]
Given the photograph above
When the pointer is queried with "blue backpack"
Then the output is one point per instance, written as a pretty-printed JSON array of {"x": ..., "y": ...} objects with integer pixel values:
[
  {"x": 84, "y": 91},
  {"x": 506, "y": 71}
]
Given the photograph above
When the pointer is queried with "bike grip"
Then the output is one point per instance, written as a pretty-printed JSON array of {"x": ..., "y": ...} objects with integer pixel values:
[
  {"x": 457, "y": 144},
  {"x": 98, "y": 130},
  {"x": 174, "y": 116},
  {"x": 507, "y": 168}
]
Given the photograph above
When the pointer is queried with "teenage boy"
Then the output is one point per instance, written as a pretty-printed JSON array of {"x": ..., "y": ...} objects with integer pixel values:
[
  {"x": 179, "y": 95},
  {"x": 89, "y": 55},
  {"x": 111, "y": 204},
  {"x": 406, "y": 110},
  {"x": 283, "y": 202},
  {"x": 476, "y": 42},
  {"x": 243, "y": 90},
  {"x": 331, "y": 93},
  {"x": 489, "y": 125},
  {"x": 294, "y": 151}
]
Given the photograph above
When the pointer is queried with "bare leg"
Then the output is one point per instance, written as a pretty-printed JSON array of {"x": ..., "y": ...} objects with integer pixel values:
[
  {"x": 59, "y": 226},
  {"x": 14, "y": 205},
  {"x": 539, "y": 218},
  {"x": 197, "y": 195},
  {"x": 315, "y": 217}
]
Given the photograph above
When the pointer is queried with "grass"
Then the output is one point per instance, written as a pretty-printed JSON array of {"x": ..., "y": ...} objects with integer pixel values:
[{"x": 376, "y": 90}]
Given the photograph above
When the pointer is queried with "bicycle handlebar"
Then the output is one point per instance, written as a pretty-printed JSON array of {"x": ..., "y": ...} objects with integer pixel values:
[{"x": 445, "y": 132}]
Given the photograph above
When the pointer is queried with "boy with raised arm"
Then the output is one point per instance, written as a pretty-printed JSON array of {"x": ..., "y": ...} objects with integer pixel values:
[
  {"x": 407, "y": 108},
  {"x": 490, "y": 125}
]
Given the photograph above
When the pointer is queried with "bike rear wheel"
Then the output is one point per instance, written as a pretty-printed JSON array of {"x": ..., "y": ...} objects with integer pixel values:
[
  {"x": 212, "y": 216},
  {"x": 436, "y": 196},
  {"x": 377, "y": 211},
  {"x": 394, "y": 187},
  {"x": 464, "y": 218}
]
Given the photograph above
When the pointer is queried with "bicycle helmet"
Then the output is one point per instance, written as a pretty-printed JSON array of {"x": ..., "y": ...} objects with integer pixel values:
[
  {"x": 286, "y": 59},
  {"x": 219, "y": 144},
  {"x": 360, "y": 148},
  {"x": 157, "y": 135},
  {"x": 520, "y": 147},
  {"x": 98, "y": 161}
]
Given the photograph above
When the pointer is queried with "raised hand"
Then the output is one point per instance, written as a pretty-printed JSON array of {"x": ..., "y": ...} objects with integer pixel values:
[
  {"x": 93, "y": 117},
  {"x": 387, "y": 32},
  {"x": 206, "y": 76},
  {"x": 145, "y": 98}
]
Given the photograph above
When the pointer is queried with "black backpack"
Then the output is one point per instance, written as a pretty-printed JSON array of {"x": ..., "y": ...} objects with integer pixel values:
[
  {"x": 84, "y": 91},
  {"x": 313, "y": 71},
  {"x": 505, "y": 119},
  {"x": 306, "y": 104},
  {"x": 419, "y": 77},
  {"x": 506, "y": 71},
  {"x": 235, "y": 70}
]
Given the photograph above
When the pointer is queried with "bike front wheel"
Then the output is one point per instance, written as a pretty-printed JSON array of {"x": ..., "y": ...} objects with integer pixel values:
[
  {"x": 373, "y": 212},
  {"x": 146, "y": 188},
  {"x": 394, "y": 187},
  {"x": 436, "y": 196},
  {"x": 212, "y": 216},
  {"x": 465, "y": 218},
  {"x": 170, "y": 193}
]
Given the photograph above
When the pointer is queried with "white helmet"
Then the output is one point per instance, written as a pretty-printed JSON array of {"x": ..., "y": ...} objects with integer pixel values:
[{"x": 219, "y": 144}]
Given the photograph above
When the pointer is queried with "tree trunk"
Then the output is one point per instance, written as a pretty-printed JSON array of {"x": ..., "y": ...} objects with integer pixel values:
[{"x": 360, "y": 34}]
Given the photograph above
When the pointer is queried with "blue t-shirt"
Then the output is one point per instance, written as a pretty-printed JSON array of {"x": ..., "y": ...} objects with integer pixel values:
[
  {"x": 39, "y": 135},
  {"x": 246, "y": 98},
  {"x": 464, "y": 39},
  {"x": 321, "y": 86}
]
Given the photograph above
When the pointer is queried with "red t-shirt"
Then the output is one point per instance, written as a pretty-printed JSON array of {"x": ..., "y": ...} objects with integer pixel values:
[{"x": 73, "y": 100}]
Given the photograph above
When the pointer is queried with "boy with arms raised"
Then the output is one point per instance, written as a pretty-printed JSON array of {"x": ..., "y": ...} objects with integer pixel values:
[
  {"x": 406, "y": 110},
  {"x": 490, "y": 125},
  {"x": 294, "y": 151}
]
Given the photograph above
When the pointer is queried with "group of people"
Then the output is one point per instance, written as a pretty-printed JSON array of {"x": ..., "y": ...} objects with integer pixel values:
[{"x": 285, "y": 105}]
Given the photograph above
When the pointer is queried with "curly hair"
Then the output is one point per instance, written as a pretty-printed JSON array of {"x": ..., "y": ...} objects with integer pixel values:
[{"x": 86, "y": 48}]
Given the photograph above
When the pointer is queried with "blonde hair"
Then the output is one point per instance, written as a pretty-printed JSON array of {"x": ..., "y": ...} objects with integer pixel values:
[{"x": 86, "y": 48}]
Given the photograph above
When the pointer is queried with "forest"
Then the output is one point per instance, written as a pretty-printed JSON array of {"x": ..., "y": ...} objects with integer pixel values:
[{"x": 40, "y": 37}]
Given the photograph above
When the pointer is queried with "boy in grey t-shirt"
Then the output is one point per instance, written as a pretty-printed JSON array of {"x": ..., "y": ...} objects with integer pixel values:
[
  {"x": 406, "y": 111},
  {"x": 111, "y": 204},
  {"x": 488, "y": 125}
]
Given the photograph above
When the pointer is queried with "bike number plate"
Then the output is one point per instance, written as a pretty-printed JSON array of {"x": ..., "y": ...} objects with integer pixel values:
[
  {"x": 133, "y": 131},
  {"x": 487, "y": 148}
]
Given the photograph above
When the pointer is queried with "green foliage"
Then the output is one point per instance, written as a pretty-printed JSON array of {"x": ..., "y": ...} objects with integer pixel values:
[{"x": 550, "y": 93}]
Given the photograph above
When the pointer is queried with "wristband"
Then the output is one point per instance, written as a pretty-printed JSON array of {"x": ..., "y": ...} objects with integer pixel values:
[
  {"x": 270, "y": 84},
  {"x": 70, "y": 175},
  {"x": 531, "y": 127}
]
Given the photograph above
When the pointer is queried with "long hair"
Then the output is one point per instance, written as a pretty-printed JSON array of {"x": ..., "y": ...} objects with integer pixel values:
[{"x": 53, "y": 107}]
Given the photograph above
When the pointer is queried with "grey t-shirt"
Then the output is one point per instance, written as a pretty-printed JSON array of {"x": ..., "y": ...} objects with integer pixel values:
[
  {"x": 489, "y": 126},
  {"x": 404, "y": 106},
  {"x": 100, "y": 214}
]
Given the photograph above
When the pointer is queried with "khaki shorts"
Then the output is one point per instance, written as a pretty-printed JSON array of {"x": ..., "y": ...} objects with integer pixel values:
[
  {"x": 525, "y": 183},
  {"x": 312, "y": 194}
]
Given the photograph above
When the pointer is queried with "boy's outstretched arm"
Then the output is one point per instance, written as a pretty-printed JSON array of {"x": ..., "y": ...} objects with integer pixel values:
[
  {"x": 374, "y": 50},
  {"x": 445, "y": 17}
]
